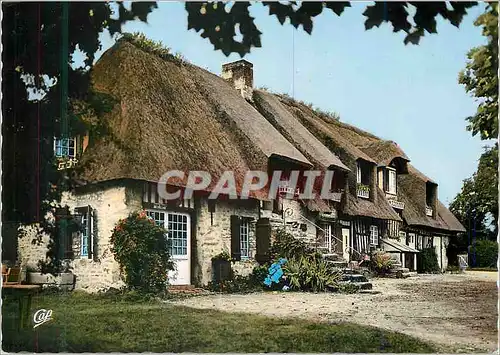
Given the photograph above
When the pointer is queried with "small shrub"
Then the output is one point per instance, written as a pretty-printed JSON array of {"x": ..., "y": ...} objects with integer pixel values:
[
  {"x": 427, "y": 261},
  {"x": 486, "y": 253},
  {"x": 154, "y": 47},
  {"x": 305, "y": 269},
  {"x": 237, "y": 284},
  {"x": 310, "y": 273},
  {"x": 381, "y": 262},
  {"x": 287, "y": 246},
  {"x": 142, "y": 251},
  {"x": 258, "y": 275}
]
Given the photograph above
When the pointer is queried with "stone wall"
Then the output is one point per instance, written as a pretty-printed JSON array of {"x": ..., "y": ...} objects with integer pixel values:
[
  {"x": 213, "y": 235},
  {"x": 29, "y": 251},
  {"x": 296, "y": 220},
  {"x": 110, "y": 203}
]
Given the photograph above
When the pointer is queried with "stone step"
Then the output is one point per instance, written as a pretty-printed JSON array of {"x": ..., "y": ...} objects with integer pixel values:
[
  {"x": 399, "y": 269},
  {"x": 350, "y": 271},
  {"x": 332, "y": 257},
  {"x": 339, "y": 264},
  {"x": 354, "y": 278},
  {"x": 359, "y": 285}
]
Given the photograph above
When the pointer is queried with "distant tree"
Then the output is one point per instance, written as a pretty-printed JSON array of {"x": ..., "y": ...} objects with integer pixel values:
[
  {"x": 480, "y": 77},
  {"x": 478, "y": 199},
  {"x": 477, "y": 202}
]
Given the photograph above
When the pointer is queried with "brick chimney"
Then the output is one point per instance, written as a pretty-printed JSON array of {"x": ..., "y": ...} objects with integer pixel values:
[{"x": 240, "y": 75}]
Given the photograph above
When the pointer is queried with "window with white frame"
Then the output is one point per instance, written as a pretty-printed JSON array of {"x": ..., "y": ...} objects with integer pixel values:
[
  {"x": 85, "y": 234},
  {"x": 391, "y": 181},
  {"x": 358, "y": 172},
  {"x": 373, "y": 235},
  {"x": 177, "y": 226},
  {"x": 327, "y": 241},
  {"x": 65, "y": 147},
  {"x": 244, "y": 238},
  {"x": 87, "y": 231}
]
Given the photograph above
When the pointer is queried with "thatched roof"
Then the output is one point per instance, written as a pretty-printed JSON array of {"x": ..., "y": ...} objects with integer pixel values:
[
  {"x": 270, "y": 106},
  {"x": 351, "y": 143},
  {"x": 413, "y": 194},
  {"x": 366, "y": 208},
  {"x": 331, "y": 134},
  {"x": 449, "y": 219},
  {"x": 175, "y": 116}
]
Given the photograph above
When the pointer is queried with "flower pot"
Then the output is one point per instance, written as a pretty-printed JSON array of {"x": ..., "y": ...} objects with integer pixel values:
[{"x": 221, "y": 270}]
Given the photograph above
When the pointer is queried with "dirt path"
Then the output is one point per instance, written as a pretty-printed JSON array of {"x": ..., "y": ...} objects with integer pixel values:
[{"x": 458, "y": 312}]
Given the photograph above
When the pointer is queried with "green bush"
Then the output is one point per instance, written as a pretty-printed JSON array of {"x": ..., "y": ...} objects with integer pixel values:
[
  {"x": 427, "y": 261},
  {"x": 486, "y": 253},
  {"x": 305, "y": 269},
  {"x": 237, "y": 284},
  {"x": 287, "y": 246},
  {"x": 310, "y": 272},
  {"x": 142, "y": 251}
]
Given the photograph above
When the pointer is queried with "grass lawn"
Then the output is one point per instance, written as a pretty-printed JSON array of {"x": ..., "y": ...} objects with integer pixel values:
[{"x": 87, "y": 323}]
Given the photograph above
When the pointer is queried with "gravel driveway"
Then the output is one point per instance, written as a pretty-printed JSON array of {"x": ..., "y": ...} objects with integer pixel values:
[{"x": 457, "y": 312}]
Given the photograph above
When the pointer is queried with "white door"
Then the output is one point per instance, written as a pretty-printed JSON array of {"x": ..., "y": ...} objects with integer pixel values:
[
  {"x": 345, "y": 243},
  {"x": 179, "y": 235}
]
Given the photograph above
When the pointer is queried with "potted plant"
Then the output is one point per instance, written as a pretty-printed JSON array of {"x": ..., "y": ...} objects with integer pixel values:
[
  {"x": 381, "y": 262},
  {"x": 221, "y": 267}
]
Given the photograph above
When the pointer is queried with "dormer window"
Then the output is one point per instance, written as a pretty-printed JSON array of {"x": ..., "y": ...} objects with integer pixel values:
[
  {"x": 65, "y": 147},
  {"x": 391, "y": 181},
  {"x": 430, "y": 198},
  {"x": 363, "y": 179}
]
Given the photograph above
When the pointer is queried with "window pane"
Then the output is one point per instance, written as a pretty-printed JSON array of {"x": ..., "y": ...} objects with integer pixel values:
[
  {"x": 177, "y": 233},
  {"x": 244, "y": 240},
  {"x": 85, "y": 235}
]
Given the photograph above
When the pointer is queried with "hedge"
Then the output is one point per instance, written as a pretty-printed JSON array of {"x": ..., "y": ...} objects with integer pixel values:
[
  {"x": 427, "y": 261},
  {"x": 486, "y": 253}
]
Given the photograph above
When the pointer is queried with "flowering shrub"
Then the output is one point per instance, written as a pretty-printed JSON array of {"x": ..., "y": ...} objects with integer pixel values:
[{"x": 142, "y": 250}]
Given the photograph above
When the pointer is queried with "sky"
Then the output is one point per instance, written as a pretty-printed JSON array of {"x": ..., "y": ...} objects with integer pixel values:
[{"x": 405, "y": 93}]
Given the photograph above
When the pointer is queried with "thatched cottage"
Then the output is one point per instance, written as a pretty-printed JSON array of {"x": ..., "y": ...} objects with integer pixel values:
[{"x": 171, "y": 115}]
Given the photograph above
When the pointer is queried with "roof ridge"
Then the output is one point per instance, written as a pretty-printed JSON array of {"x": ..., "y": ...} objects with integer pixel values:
[{"x": 340, "y": 123}]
